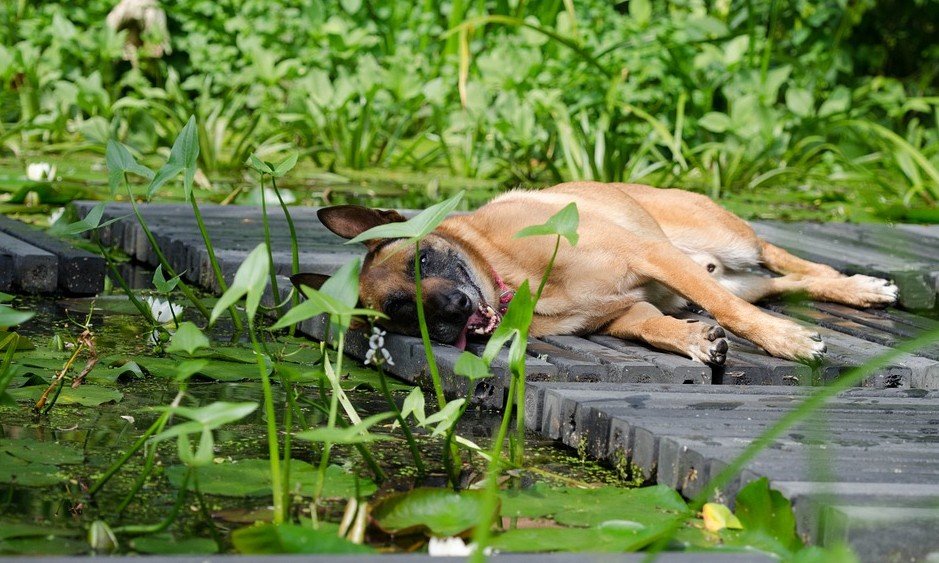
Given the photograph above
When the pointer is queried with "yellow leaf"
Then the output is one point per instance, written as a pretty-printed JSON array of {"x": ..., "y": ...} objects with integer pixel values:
[{"x": 717, "y": 517}]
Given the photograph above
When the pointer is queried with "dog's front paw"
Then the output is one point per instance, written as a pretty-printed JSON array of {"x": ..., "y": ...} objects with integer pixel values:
[
  {"x": 709, "y": 346},
  {"x": 787, "y": 339},
  {"x": 867, "y": 291}
]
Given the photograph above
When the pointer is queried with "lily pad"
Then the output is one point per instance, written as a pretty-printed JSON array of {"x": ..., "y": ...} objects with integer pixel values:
[
  {"x": 442, "y": 512},
  {"x": 649, "y": 506},
  {"x": 614, "y": 536},
  {"x": 167, "y": 545},
  {"x": 86, "y": 395},
  {"x": 42, "y": 546},
  {"x": 28, "y": 474},
  {"x": 290, "y": 538},
  {"x": 252, "y": 478},
  {"x": 9, "y": 530},
  {"x": 52, "y": 453}
]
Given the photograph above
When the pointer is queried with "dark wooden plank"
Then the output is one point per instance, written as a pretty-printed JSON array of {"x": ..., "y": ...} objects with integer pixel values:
[
  {"x": 34, "y": 269},
  {"x": 80, "y": 272}
]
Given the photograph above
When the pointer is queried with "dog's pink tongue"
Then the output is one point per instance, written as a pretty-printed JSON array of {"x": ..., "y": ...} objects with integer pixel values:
[{"x": 461, "y": 339}]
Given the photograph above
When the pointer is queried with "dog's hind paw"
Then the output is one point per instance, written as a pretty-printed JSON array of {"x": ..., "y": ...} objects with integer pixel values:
[
  {"x": 710, "y": 347},
  {"x": 867, "y": 291}
]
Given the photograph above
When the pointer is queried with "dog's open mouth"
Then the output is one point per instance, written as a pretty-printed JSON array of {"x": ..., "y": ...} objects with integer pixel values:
[{"x": 482, "y": 322}]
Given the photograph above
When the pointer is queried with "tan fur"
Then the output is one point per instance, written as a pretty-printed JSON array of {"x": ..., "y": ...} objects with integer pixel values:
[{"x": 640, "y": 249}]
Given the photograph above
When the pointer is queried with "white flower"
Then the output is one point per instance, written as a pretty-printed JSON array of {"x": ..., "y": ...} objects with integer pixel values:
[
  {"x": 56, "y": 215},
  {"x": 40, "y": 172},
  {"x": 451, "y": 547},
  {"x": 377, "y": 354},
  {"x": 163, "y": 311}
]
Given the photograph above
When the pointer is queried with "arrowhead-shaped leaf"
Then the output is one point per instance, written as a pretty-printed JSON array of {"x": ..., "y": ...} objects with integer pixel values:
[
  {"x": 563, "y": 223},
  {"x": 183, "y": 158},
  {"x": 415, "y": 228},
  {"x": 120, "y": 161}
]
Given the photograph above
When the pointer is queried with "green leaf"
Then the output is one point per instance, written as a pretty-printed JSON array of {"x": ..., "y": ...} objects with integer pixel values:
[
  {"x": 563, "y": 223},
  {"x": 86, "y": 395},
  {"x": 54, "y": 453},
  {"x": 10, "y": 317},
  {"x": 161, "y": 283},
  {"x": 414, "y": 404},
  {"x": 415, "y": 228},
  {"x": 165, "y": 544},
  {"x": 188, "y": 338},
  {"x": 183, "y": 158},
  {"x": 357, "y": 434},
  {"x": 445, "y": 417},
  {"x": 250, "y": 280},
  {"x": 120, "y": 162},
  {"x": 291, "y": 538},
  {"x": 208, "y": 417},
  {"x": 612, "y": 536},
  {"x": 258, "y": 165},
  {"x": 650, "y": 506},
  {"x": 471, "y": 366},
  {"x": 766, "y": 512},
  {"x": 640, "y": 10},
  {"x": 28, "y": 474},
  {"x": 839, "y": 101},
  {"x": 91, "y": 221},
  {"x": 800, "y": 101},
  {"x": 715, "y": 122},
  {"x": 514, "y": 324},
  {"x": 187, "y": 369},
  {"x": 252, "y": 478},
  {"x": 285, "y": 165},
  {"x": 442, "y": 512}
]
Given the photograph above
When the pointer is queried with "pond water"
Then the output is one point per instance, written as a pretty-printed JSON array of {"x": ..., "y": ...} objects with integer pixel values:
[{"x": 74, "y": 444}]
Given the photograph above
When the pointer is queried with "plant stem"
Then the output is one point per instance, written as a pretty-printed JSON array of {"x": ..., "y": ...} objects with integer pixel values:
[
  {"x": 160, "y": 256},
  {"x": 294, "y": 247},
  {"x": 412, "y": 445},
  {"x": 331, "y": 420},
  {"x": 165, "y": 523},
  {"x": 425, "y": 334},
  {"x": 267, "y": 242},
  {"x": 272, "y": 447},
  {"x": 236, "y": 320},
  {"x": 156, "y": 427},
  {"x": 491, "y": 497}
]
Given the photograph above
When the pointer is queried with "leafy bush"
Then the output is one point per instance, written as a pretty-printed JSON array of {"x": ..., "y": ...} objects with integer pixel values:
[{"x": 712, "y": 96}]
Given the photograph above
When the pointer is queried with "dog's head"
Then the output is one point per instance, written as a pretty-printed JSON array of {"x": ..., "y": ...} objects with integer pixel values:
[{"x": 458, "y": 290}]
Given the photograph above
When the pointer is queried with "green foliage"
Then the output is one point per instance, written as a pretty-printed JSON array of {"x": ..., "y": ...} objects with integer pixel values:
[
  {"x": 291, "y": 538},
  {"x": 413, "y": 229},
  {"x": 440, "y": 512},
  {"x": 187, "y": 338},
  {"x": 250, "y": 280},
  {"x": 251, "y": 478},
  {"x": 564, "y": 223}
]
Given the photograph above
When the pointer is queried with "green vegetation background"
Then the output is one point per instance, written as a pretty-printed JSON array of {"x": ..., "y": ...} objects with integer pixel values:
[{"x": 783, "y": 107}]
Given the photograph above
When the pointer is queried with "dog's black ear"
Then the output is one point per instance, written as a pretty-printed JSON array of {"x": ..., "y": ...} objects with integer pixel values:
[
  {"x": 314, "y": 281},
  {"x": 349, "y": 221}
]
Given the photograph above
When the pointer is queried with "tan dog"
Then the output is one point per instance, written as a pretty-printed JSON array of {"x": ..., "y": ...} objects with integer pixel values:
[{"x": 642, "y": 253}]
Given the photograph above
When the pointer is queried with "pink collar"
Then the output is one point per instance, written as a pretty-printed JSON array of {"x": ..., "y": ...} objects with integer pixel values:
[{"x": 506, "y": 293}]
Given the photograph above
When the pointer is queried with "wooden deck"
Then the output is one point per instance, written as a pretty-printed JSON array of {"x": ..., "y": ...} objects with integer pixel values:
[{"x": 865, "y": 471}]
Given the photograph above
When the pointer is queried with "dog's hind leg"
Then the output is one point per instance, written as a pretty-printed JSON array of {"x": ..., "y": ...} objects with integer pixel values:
[
  {"x": 670, "y": 267},
  {"x": 856, "y": 291},
  {"x": 782, "y": 262},
  {"x": 644, "y": 322}
]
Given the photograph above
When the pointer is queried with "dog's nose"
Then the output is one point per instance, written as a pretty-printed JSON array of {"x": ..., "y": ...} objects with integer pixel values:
[{"x": 455, "y": 303}]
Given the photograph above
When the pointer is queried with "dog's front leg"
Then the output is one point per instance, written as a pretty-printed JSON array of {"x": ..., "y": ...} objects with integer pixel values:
[
  {"x": 644, "y": 322},
  {"x": 669, "y": 266}
]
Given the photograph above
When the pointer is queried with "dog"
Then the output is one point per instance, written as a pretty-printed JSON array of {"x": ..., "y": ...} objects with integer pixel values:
[{"x": 643, "y": 254}]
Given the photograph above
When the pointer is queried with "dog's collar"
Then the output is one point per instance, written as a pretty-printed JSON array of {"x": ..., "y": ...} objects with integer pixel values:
[{"x": 506, "y": 293}]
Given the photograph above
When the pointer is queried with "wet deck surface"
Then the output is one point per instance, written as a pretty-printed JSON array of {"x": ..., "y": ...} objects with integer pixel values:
[{"x": 876, "y": 469}]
